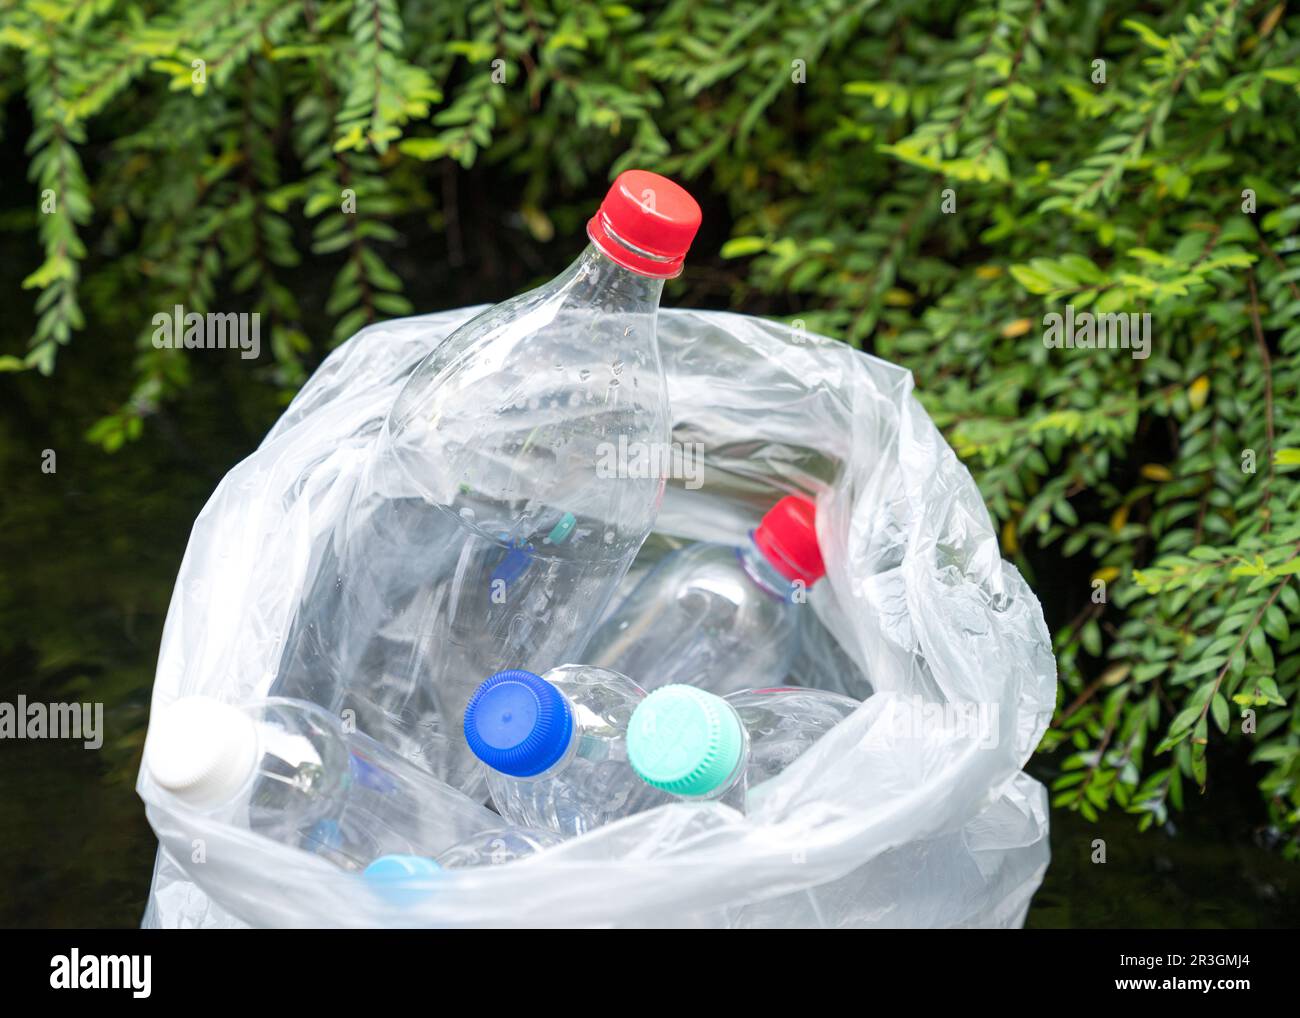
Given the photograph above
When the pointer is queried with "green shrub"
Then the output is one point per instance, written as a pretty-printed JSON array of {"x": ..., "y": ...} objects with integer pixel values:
[{"x": 927, "y": 180}]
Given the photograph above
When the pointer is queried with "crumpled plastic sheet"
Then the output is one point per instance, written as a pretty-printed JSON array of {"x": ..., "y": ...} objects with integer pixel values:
[{"x": 904, "y": 815}]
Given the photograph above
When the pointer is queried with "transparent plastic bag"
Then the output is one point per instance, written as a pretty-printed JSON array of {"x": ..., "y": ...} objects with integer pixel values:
[{"x": 918, "y": 616}]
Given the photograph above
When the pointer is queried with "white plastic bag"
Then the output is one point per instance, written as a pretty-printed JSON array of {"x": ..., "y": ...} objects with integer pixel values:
[{"x": 912, "y": 812}]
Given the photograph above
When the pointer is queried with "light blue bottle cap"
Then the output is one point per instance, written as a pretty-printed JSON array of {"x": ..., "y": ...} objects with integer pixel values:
[
  {"x": 684, "y": 740},
  {"x": 392, "y": 875}
]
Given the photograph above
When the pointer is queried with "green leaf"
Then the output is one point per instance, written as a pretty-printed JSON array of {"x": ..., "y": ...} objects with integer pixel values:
[
  {"x": 1222, "y": 718},
  {"x": 740, "y": 247}
]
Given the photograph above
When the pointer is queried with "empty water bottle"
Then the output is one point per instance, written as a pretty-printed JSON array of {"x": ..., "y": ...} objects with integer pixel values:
[
  {"x": 494, "y": 521},
  {"x": 289, "y": 771},
  {"x": 555, "y": 747},
  {"x": 697, "y": 745},
  {"x": 409, "y": 879},
  {"x": 498, "y": 847},
  {"x": 715, "y": 616}
]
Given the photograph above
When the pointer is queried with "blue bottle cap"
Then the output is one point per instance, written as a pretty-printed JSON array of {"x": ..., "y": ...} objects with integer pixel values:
[{"x": 518, "y": 723}]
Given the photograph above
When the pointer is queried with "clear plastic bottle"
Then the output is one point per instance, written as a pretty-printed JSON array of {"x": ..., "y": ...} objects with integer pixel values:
[
  {"x": 715, "y": 616},
  {"x": 555, "y": 747},
  {"x": 498, "y": 847},
  {"x": 495, "y": 520},
  {"x": 408, "y": 879},
  {"x": 288, "y": 770},
  {"x": 697, "y": 745}
]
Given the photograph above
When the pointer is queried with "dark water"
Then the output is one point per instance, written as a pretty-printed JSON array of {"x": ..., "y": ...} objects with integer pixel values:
[
  {"x": 88, "y": 556},
  {"x": 1209, "y": 869}
]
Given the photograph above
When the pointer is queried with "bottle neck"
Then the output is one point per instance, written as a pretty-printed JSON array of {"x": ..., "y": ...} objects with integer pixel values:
[
  {"x": 599, "y": 281},
  {"x": 763, "y": 573},
  {"x": 728, "y": 787},
  {"x": 571, "y": 749}
]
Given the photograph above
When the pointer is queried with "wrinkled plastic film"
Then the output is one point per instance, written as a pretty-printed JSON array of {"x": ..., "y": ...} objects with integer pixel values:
[{"x": 917, "y": 609}]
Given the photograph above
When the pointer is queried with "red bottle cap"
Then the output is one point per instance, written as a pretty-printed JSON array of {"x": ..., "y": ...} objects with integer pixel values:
[
  {"x": 650, "y": 213},
  {"x": 787, "y": 537}
]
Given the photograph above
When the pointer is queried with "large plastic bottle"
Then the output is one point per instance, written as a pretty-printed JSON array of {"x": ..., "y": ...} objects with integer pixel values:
[
  {"x": 555, "y": 747},
  {"x": 715, "y": 616},
  {"x": 289, "y": 771},
  {"x": 496, "y": 518},
  {"x": 694, "y": 744}
]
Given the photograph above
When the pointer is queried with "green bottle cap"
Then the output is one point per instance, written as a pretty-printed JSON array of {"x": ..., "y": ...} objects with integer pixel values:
[{"x": 685, "y": 741}]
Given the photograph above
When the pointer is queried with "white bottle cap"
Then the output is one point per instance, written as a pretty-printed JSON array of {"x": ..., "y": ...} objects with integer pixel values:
[{"x": 201, "y": 750}]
